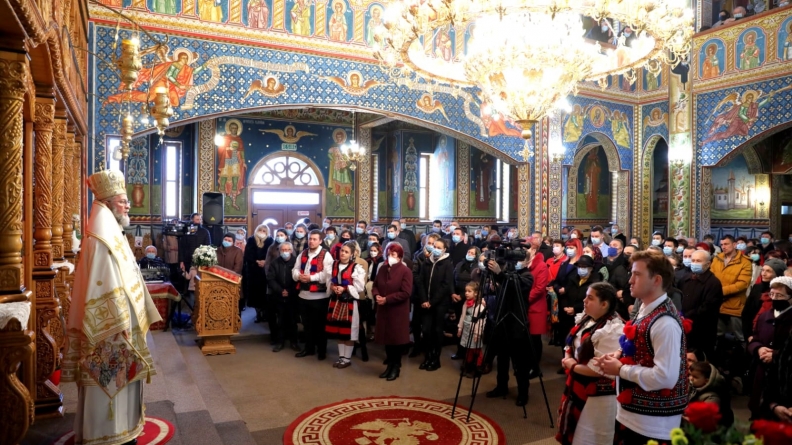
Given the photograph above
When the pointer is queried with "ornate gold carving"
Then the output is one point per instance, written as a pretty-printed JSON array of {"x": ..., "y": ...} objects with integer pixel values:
[
  {"x": 524, "y": 199},
  {"x": 278, "y": 17},
  {"x": 216, "y": 315},
  {"x": 68, "y": 197},
  {"x": 235, "y": 12},
  {"x": 58, "y": 148},
  {"x": 16, "y": 347},
  {"x": 463, "y": 178},
  {"x": 363, "y": 176},
  {"x": 320, "y": 18},
  {"x": 42, "y": 170},
  {"x": 206, "y": 158},
  {"x": 14, "y": 80}
]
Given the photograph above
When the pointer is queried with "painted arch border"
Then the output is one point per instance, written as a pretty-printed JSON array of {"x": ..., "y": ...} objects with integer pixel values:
[
  {"x": 646, "y": 176},
  {"x": 622, "y": 187}
]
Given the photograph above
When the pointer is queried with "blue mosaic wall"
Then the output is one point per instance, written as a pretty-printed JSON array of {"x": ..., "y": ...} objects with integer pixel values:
[
  {"x": 229, "y": 78},
  {"x": 598, "y": 116},
  {"x": 655, "y": 121}
]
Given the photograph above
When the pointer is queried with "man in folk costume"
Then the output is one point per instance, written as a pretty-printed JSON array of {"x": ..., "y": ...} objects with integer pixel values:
[
  {"x": 312, "y": 270},
  {"x": 111, "y": 311},
  {"x": 651, "y": 375}
]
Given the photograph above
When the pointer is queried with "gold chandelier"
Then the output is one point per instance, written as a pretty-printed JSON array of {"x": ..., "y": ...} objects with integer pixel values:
[{"x": 527, "y": 55}]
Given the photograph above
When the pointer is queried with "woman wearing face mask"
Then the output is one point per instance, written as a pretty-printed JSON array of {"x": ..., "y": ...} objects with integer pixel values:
[
  {"x": 299, "y": 238},
  {"x": 437, "y": 284},
  {"x": 576, "y": 234},
  {"x": 284, "y": 292},
  {"x": 256, "y": 261},
  {"x": 330, "y": 239},
  {"x": 240, "y": 239},
  {"x": 345, "y": 285},
  {"x": 570, "y": 301},
  {"x": 596, "y": 254},
  {"x": 558, "y": 258},
  {"x": 758, "y": 300},
  {"x": 345, "y": 236},
  {"x": 755, "y": 255},
  {"x": 462, "y": 273},
  {"x": 573, "y": 251},
  {"x": 770, "y": 335},
  {"x": 392, "y": 289}
]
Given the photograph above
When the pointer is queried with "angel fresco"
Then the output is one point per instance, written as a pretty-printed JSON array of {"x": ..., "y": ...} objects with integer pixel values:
[
  {"x": 738, "y": 119},
  {"x": 619, "y": 128},
  {"x": 429, "y": 106},
  {"x": 289, "y": 134},
  {"x": 352, "y": 85},
  {"x": 573, "y": 127},
  {"x": 655, "y": 118},
  {"x": 270, "y": 87},
  {"x": 175, "y": 74}
]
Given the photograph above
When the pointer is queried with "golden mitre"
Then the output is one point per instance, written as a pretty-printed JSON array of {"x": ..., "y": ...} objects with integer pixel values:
[{"x": 106, "y": 184}]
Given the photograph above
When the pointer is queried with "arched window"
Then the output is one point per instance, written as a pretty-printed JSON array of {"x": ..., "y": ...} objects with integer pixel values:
[{"x": 286, "y": 170}]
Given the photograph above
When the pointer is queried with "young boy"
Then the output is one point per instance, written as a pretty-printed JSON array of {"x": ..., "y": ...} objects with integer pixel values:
[{"x": 707, "y": 385}]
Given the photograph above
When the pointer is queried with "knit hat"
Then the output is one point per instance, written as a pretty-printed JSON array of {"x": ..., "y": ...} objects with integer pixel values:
[
  {"x": 786, "y": 281},
  {"x": 778, "y": 266}
]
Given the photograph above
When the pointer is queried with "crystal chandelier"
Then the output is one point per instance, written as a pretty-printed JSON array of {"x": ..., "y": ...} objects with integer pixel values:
[
  {"x": 527, "y": 55},
  {"x": 352, "y": 151}
]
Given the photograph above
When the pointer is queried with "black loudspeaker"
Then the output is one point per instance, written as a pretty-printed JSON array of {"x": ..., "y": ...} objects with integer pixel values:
[{"x": 212, "y": 209}]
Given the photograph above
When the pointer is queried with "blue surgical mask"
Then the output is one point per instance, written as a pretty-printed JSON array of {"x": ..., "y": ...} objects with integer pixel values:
[
  {"x": 614, "y": 231},
  {"x": 484, "y": 232},
  {"x": 325, "y": 225},
  {"x": 451, "y": 228},
  {"x": 754, "y": 257},
  {"x": 151, "y": 256},
  {"x": 738, "y": 15},
  {"x": 330, "y": 236},
  {"x": 429, "y": 248},
  {"x": 435, "y": 229},
  {"x": 656, "y": 242},
  {"x": 470, "y": 257},
  {"x": 519, "y": 266},
  {"x": 227, "y": 243},
  {"x": 437, "y": 252},
  {"x": 612, "y": 251},
  {"x": 299, "y": 235},
  {"x": 280, "y": 239},
  {"x": 359, "y": 231},
  {"x": 596, "y": 240},
  {"x": 686, "y": 261},
  {"x": 456, "y": 238},
  {"x": 477, "y": 236},
  {"x": 565, "y": 237},
  {"x": 570, "y": 252},
  {"x": 583, "y": 272},
  {"x": 667, "y": 251},
  {"x": 286, "y": 255},
  {"x": 391, "y": 235},
  {"x": 741, "y": 246},
  {"x": 696, "y": 267},
  {"x": 765, "y": 241},
  {"x": 289, "y": 232},
  {"x": 680, "y": 249}
]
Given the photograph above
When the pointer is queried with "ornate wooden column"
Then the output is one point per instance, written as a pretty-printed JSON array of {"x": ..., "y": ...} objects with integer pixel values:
[
  {"x": 49, "y": 399},
  {"x": 16, "y": 346},
  {"x": 14, "y": 79}
]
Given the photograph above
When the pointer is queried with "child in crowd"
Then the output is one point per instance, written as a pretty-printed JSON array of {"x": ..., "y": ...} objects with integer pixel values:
[
  {"x": 472, "y": 323},
  {"x": 190, "y": 277},
  {"x": 708, "y": 385}
]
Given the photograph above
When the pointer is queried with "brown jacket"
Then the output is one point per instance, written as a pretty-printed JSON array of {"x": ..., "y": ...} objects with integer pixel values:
[
  {"x": 230, "y": 258},
  {"x": 735, "y": 278}
]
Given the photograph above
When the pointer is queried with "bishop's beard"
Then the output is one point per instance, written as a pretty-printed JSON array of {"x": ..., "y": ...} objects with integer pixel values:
[{"x": 123, "y": 220}]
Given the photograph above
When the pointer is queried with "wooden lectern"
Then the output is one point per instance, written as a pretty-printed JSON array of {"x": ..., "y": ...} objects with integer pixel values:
[{"x": 216, "y": 313}]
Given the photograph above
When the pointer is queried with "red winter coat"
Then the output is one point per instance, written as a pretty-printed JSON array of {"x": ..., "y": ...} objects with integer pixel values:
[
  {"x": 537, "y": 299},
  {"x": 395, "y": 283}
]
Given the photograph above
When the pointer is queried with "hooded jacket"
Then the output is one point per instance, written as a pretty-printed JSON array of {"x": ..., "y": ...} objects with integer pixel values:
[
  {"x": 716, "y": 390},
  {"x": 437, "y": 281}
]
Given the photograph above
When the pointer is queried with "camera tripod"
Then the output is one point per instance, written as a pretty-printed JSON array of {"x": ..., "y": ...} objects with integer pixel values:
[{"x": 501, "y": 316}]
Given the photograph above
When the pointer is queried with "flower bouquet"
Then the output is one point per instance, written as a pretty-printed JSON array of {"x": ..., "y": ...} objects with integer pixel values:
[
  {"x": 204, "y": 256},
  {"x": 702, "y": 428}
]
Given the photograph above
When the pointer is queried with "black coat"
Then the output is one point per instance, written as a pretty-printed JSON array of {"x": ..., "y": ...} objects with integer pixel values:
[
  {"x": 408, "y": 236},
  {"x": 188, "y": 244},
  {"x": 680, "y": 275},
  {"x": 437, "y": 282},
  {"x": 702, "y": 296},
  {"x": 458, "y": 252},
  {"x": 752, "y": 306},
  {"x": 462, "y": 273},
  {"x": 546, "y": 251},
  {"x": 256, "y": 277},
  {"x": 279, "y": 274},
  {"x": 617, "y": 270},
  {"x": 574, "y": 292}
]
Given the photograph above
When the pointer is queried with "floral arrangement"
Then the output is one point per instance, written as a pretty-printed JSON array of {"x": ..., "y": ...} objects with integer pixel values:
[
  {"x": 205, "y": 256},
  {"x": 702, "y": 428}
]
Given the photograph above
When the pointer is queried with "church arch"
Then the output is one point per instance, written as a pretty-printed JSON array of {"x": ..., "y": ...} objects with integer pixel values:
[
  {"x": 619, "y": 180},
  {"x": 646, "y": 192}
]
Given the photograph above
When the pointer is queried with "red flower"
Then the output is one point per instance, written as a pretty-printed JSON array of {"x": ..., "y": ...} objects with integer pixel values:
[
  {"x": 772, "y": 433},
  {"x": 704, "y": 415},
  {"x": 627, "y": 360},
  {"x": 625, "y": 397},
  {"x": 629, "y": 331},
  {"x": 687, "y": 325}
]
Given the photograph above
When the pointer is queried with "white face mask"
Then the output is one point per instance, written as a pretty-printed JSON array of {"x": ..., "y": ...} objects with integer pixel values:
[
  {"x": 261, "y": 235},
  {"x": 392, "y": 260},
  {"x": 557, "y": 250},
  {"x": 573, "y": 236}
]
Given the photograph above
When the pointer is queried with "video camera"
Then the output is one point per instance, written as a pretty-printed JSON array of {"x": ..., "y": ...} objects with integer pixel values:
[
  {"x": 175, "y": 228},
  {"x": 512, "y": 251}
]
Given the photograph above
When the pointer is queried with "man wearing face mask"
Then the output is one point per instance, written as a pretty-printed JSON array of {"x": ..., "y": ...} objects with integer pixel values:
[
  {"x": 407, "y": 234},
  {"x": 284, "y": 291},
  {"x": 327, "y": 222},
  {"x": 738, "y": 13},
  {"x": 151, "y": 260},
  {"x": 392, "y": 236},
  {"x": 565, "y": 234},
  {"x": 616, "y": 233},
  {"x": 598, "y": 240},
  {"x": 420, "y": 260},
  {"x": 658, "y": 239},
  {"x": 617, "y": 265},
  {"x": 360, "y": 235},
  {"x": 540, "y": 247},
  {"x": 459, "y": 247},
  {"x": 722, "y": 16},
  {"x": 669, "y": 246},
  {"x": 766, "y": 240},
  {"x": 683, "y": 272},
  {"x": 451, "y": 227},
  {"x": 629, "y": 36},
  {"x": 195, "y": 235},
  {"x": 370, "y": 241},
  {"x": 601, "y": 33},
  {"x": 437, "y": 226},
  {"x": 229, "y": 255},
  {"x": 702, "y": 295},
  {"x": 289, "y": 228}
]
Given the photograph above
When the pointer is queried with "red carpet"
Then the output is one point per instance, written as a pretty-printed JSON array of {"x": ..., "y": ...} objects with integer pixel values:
[
  {"x": 156, "y": 431},
  {"x": 392, "y": 421}
]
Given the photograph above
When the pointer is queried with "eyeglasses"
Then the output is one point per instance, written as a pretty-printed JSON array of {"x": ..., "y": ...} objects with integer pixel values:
[
  {"x": 778, "y": 296},
  {"x": 123, "y": 202}
]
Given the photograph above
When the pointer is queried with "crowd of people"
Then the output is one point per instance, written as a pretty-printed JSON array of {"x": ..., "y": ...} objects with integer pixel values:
[{"x": 670, "y": 322}]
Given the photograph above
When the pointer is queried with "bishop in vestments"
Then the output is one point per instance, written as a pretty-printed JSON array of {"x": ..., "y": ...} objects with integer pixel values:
[{"x": 110, "y": 315}]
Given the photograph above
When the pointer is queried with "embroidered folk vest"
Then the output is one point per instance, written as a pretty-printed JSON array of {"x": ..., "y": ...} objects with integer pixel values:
[
  {"x": 344, "y": 278},
  {"x": 665, "y": 402},
  {"x": 317, "y": 265}
]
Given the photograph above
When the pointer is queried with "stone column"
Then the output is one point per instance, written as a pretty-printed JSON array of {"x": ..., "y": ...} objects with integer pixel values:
[
  {"x": 14, "y": 81},
  {"x": 49, "y": 399}
]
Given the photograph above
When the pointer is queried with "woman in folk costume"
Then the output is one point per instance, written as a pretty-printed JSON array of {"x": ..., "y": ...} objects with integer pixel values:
[
  {"x": 256, "y": 262},
  {"x": 111, "y": 311},
  {"x": 588, "y": 406},
  {"x": 345, "y": 287}
]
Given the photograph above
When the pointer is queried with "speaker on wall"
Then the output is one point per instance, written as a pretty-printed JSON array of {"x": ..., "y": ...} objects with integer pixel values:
[{"x": 212, "y": 209}]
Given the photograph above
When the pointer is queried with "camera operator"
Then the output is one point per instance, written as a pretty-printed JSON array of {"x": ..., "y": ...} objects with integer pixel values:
[
  {"x": 195, "y": 235},
  {"x": 510, "y": 337}
]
